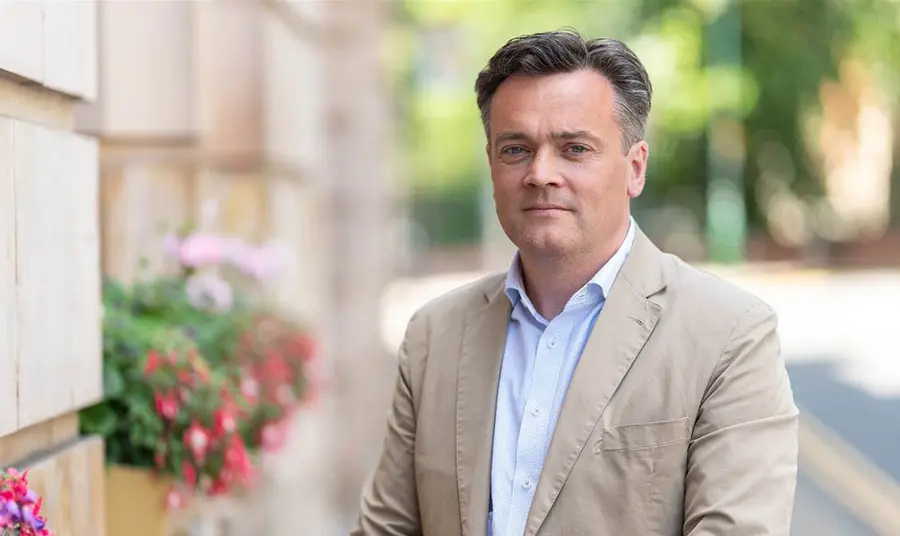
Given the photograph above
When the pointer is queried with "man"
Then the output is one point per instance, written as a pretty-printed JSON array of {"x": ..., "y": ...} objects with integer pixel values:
[{"x": 599, "y": 387}]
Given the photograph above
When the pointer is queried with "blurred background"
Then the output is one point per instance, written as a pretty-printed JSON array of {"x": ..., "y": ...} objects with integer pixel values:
[{"x": 347, "y": 133}]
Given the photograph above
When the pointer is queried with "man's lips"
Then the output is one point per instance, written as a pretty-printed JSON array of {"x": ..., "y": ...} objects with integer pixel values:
[{"x": 543, "y": 208}]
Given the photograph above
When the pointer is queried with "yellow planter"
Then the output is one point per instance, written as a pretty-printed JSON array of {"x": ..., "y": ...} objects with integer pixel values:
[
  {"x": 135, "y": 503},
  {"x": 136, "y": 506}
]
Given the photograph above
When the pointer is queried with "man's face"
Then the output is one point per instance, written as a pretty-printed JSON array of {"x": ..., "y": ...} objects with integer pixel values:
[{"x": 562, "y": 179}]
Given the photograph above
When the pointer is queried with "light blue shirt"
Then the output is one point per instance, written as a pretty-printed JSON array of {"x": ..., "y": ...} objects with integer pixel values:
[{"x": 538, "y": 362}]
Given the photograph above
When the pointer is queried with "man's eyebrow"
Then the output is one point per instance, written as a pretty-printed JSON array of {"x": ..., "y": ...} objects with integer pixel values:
[
  {"x": 510, "y": 136},
  {"x": 560, "y": 135},
  {"x": 577, "y": 135}
]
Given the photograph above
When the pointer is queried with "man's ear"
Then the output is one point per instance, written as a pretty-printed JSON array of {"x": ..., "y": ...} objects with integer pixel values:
[{"x": 637, "y": 168}]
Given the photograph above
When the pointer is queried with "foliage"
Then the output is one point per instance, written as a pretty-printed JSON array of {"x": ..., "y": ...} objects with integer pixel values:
[
  {"x": 786, "y": 50},
  {"x": 181, "y": 392},
  {"x": 449, "y": 215},
  {"x": 20, "y": 507}
]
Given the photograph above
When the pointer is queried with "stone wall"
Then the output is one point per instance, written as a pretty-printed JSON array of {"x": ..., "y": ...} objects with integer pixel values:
[{"x": 50, "y": 359}]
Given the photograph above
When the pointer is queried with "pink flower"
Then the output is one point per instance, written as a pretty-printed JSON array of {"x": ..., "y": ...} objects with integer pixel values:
[
  {"x": 258, "y": 262},
  {"x": 210, "y": 292},
  {"x": 175, "y": 499},
  {"x": 196, "y": 439},
  {"x": 200, "y": 250},
  {"x": 249, "y": 388},
  {"x": 273, "y": 436}
]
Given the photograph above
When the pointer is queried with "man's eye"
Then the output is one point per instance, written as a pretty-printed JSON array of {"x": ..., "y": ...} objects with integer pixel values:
[
  {"x": 577, "y": 148},
  {"x": 514, "y": 150}
]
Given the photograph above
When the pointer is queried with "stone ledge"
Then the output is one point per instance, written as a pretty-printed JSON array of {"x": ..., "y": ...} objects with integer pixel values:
[
  {"x": 27, "y": 101},
  {"x": 72, "y": 484},
  {"x": 34, "y": 441}
]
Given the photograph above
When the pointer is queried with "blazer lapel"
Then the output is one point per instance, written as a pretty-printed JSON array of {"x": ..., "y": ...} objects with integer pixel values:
[
  {"x": 624, "y": 325},
  {"x": 476, "y": 399}
]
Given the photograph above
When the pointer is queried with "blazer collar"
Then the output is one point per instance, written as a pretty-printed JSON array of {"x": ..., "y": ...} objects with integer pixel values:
[{"x": 643, "y": 270}]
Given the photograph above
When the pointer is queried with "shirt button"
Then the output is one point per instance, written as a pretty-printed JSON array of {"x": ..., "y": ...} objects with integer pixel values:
[
  {"x": 526, "y": 484},
  {"x": 536, "y": 411},
  {"x": 552, "y": 343}
]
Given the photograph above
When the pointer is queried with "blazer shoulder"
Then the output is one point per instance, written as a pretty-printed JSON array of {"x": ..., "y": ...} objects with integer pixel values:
[
  {"x": 710, "y": 294},
  {"x": 444, "y": 315},
  {"x": 462, "y": 299}
]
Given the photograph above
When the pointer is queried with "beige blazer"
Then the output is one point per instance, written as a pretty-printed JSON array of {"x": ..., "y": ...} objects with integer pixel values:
[{"x": 679, "y": 420}]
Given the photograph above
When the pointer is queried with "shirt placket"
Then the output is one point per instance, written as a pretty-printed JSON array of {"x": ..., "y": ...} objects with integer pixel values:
[{"x": 536, "y": 419}]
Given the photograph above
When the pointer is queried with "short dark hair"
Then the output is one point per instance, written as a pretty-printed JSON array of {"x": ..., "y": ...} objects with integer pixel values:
[{"x": 565, "y": 51}]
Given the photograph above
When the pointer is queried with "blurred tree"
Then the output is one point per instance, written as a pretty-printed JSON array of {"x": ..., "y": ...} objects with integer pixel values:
[{"x": 787, "y": 50}]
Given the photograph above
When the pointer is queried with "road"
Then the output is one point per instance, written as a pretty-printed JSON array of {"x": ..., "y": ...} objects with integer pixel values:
[{"x": 838, "y": 333}]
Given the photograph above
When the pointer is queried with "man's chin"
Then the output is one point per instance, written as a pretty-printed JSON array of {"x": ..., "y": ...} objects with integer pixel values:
[{"x": 546, "y": 247}]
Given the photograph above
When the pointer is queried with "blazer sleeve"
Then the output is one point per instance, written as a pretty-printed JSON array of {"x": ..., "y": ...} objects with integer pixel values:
[
  {"x": 742, "y": 459},
  {"x": 389, "y": 504}
]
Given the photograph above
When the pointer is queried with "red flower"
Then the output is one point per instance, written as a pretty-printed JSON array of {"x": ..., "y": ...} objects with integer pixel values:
[
  {"x": 166, "y": 405},
  {"x": 153, "y": 362},
  {"x": 219, "y": 487},
  {"x": 224, "y": 423},
  {"x": 197, "y": 440},
  {"x": 237, "y": 462},
  {"x": 190, "y": 473}
]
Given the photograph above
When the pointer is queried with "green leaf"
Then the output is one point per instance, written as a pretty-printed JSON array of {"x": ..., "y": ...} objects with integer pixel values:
[
  {"x": 100, "y": 420},
  {"x": 113, "y": 382}
]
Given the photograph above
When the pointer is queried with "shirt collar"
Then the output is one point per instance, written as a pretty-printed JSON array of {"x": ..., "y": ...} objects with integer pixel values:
[{"x": 594, "y": 291}]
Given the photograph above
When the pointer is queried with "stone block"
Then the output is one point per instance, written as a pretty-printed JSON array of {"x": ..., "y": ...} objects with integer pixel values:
[{"x": 58, "y": 312}]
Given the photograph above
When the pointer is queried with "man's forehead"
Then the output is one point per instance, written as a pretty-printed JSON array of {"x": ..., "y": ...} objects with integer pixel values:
[
  {"x": 558, "y": 89},
  {"x": 565, "y": 134}
]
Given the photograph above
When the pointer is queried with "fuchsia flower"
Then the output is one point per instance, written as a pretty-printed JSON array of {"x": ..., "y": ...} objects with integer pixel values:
[
  {"x": 225, "y": 423},
  {"x": 190, "y": 473},
  {"x": 166, "y": 405},
  {"x": 153, "y": 362},
  {"x": 197, "y": 440},
  {"x": 20, "y": 507}
]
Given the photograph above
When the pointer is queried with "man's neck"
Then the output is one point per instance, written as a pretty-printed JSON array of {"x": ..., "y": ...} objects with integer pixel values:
[{"x": 551, "y": 282}]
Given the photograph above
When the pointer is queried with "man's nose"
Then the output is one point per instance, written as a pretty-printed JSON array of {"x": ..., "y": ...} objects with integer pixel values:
[{"x": 543, "y": 170}]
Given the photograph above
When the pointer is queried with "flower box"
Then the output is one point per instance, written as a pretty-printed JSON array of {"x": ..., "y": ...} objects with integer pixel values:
[
  {"x": 136, "y": 505},
  {"x": 136, "y": 502}
]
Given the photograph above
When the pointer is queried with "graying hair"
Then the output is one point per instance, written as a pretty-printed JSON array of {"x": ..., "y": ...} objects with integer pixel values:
[{"x": 565, "y": 51}]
